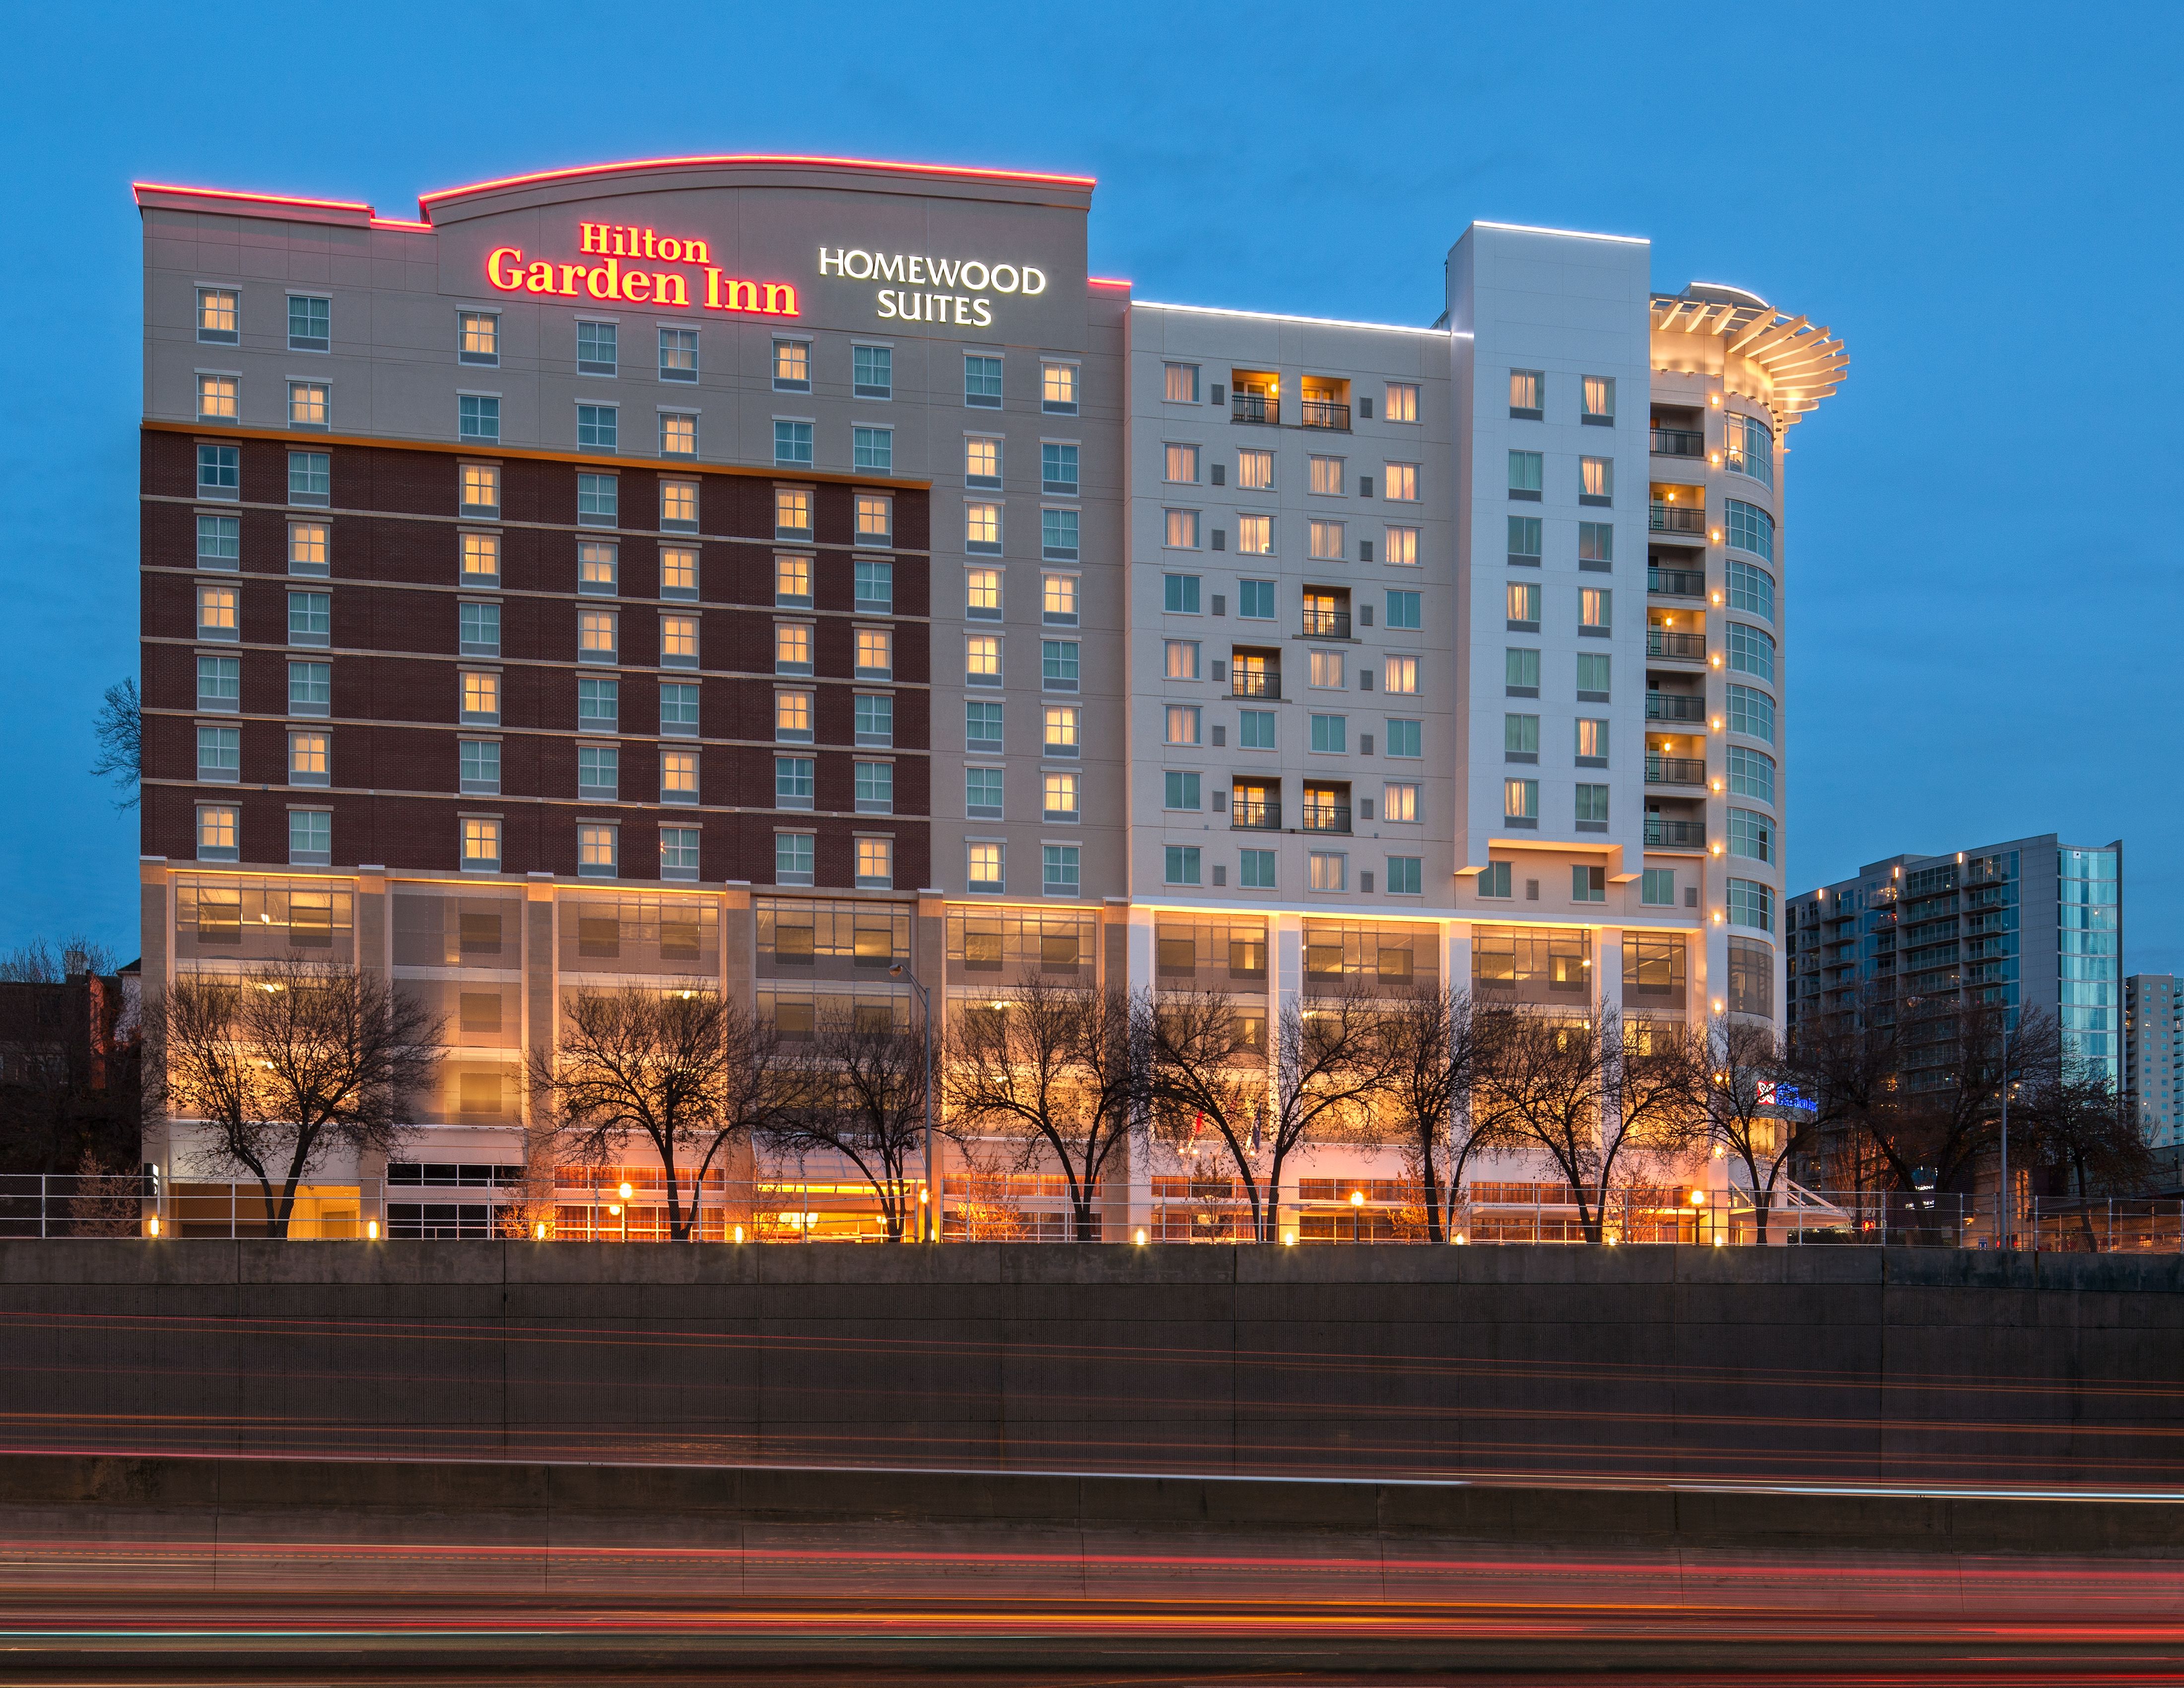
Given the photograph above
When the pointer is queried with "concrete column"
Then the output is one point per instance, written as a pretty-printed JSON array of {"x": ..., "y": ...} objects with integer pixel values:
[
  {"x": 1607, "y": 968},
  {"x": 373, "y": 929},
  {"x": 739, "y": 989},
  {"x": 928, "y": 944},
  {"x": 1137, "y": 932},
  {"x": 155, "y": 914}
]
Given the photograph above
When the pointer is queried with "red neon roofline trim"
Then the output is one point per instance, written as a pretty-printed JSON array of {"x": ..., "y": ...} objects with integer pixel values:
[
  {"x": 140, "y": 189},
  {"x": 401, "y": 223},
  {"x": 424, "y": 200},
  {"x": 1107, "y": 281}
]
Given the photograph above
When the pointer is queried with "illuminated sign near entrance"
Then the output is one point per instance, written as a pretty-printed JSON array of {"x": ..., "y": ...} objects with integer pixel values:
[
  {"x": 621, "y": 277},
  {"x": 929, "y": 293}
]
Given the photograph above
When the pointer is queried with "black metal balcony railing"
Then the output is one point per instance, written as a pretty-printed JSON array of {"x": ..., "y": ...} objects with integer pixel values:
[
  {"x": 1325, "y": 817},
  {"x": 1668, "y": 518},
  {"x": 1675, "y": 770},
  {"x": 1679, "y": 442},
  {"x": 1675, "y": 582},
  {"x": 1256, "y": 814},
  {"x": 1683, "y": 647},
  {"x": 1666, "y": 835},
  {"x": 1327, "y": 624},
  {"x": 1254, "y": 682},
  {"x": 1325, "y": 413},
  {"x": 1672, "y": 706},
  {"x": 1254, "y": 407}
]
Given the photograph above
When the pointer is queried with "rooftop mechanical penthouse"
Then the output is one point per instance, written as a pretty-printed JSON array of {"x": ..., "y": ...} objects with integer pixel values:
[{"x": 750, "y": 573}]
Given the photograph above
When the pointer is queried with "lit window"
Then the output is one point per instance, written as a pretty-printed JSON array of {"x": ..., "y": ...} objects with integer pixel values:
[
  {"x": 598, "y": 500},
  {"x": 1523, "y": 606},
  {"x": 1596, "y": 480},
  {"x": 1182, "y": 658},
  {"x": 982, "y": 462},
  {"x": 1329, "y": 543},
  {"x": 982, "y": 869},
  {"x": 1183, "y": 723},
  {"x": 1526, "y": 398},
  {"x": 1058, "y": 600},
  {"x": 1182, "y": 530},
  {"x": 792, "y": 366},
  {"x": 1399, "y": 801},
  {"x": 875, "y": 863},
  {"x": 1254, "y": 472},
  {"x": 1401, "y": 483},
  {"x": 982, "y": 595},
  {"x": 678, "y": 572},
  {"x": 678, "y": 354},
  {"x": 792, "y": 858},
  {"x": 981, "y": 527},
  {"x": 875, "y": 518},
  {"x": 678, "y": 776},
  {"x": 792, "y": 513},
  {"x": 1327, "y": 671},
  {"x": 1183, "y": 463},
  {"x": 875, "y": 648},
  {"x": 678, "y": 505},
  {"x": 1254, "y": 534},
  {"x": 791, "y": 647},
  {"x": 981, "y": 660},
  {"x": 1520, "y": 799},
  {"x": 1057, "y": 393},
  {"x": 1063, "y": 721},
  {"x": 792, "y": 717},
  {"x": 310, "y": 837},
  {"x": 480, "y": 696},
  {"x": 595, "y": 636},
  {"x": 598, "y": 565},
  {"x": 1179, "y": 383},
  {"x": 1400, "y": 675},
  {"x": 599, "y": 426},
  {"x": 477, "y": 336},
  {"x": 678, "y": 641},
  {"x": 1058, "y": 869},
  {"x": 678, "y": 434},
  {"x": 219, "y": 399},
  {"x": 481, "y": 556},
  {"x": 792, "y": 581},
  {"x": 1330, "y": 871},
  {"x": 873, "y": 787},
  {"x": 220, "y": 315},
  {"x": 1592, "y": 742},
  {"x": 597, "y": 849},
  {"x": 480, "y": 489},
  {"x": 218, "y": 825},
  {"x": 481, "y": 845},
  {"x": 1403, "y": 405},
  {"x": 679, "y": 852},
  {"x": 1595, "y": 608},
  {"x": 1060, "y": 796},
  {"x": 310, "y": 548},
  {"x": 310, "y": 758},
  {"x": 981, "y": 382},
  {"x": 1327, "y": 476},
  {"x": 1599, "y": 399}
]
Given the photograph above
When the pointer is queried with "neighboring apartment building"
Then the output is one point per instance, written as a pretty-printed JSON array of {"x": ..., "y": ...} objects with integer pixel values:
[
  {"x": 2032, "y": 923},
  {"x": 2153, "y": 1065},
  {"x": 589, "y": 581}
]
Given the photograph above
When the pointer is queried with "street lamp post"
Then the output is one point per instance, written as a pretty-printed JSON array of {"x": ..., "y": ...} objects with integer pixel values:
[
  {"x": 927, "y": 1219},
  {"x": 627, "y": 1192}
]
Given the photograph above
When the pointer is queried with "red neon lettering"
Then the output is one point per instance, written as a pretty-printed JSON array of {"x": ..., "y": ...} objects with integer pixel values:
[
  {"x": 513, "y": 279},
  {"x": 594, "y": 237},
  {"x": 668, "y": 288},
  {"x": 780, "y": 300},
  {"x": 608, "y": 272},
  {"x": 637, "y": 287}
]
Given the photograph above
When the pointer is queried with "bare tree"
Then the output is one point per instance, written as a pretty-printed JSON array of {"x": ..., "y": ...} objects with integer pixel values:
[
  {"x": 38, "y": 962},
  {"x": 1059, "y": 1067},
  {"x": 1208, "y": 1068},
  {"x": 287, "y": 1062},
  {"x": 857, "y": 1089},
  {"x": 1746, "y": 1083},
  {"x": 2082, "y": 1126},
  {"x": 1845, "y": 1064},
  {"x": 1429, "y": 1051},
  {"x": 120, "y": 730},
  {"x": 687, "y": 1071}
]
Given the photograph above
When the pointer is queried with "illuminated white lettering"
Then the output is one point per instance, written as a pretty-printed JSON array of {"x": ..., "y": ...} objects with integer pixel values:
[
  {"x": 854, "y": 257},
  {"x": 1034, "y": 280},
  {"x": 1009, "y": 270},
  {"x": 983, "y": 317},
  {"x": 887, "y": 302},
  {"x": 827, "y": 259},
  {"x": 985, "y": 276},
  {"x": 889, "y": 268},
  {"x": 917, "y": 277},
  {"x": 943, "y": 269}
]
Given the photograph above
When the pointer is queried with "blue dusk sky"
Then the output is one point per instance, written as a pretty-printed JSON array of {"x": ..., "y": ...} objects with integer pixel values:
[{"x": 1982, "y": 200}]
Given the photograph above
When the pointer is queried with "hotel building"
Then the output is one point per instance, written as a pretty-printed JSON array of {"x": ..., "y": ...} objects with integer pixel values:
[{"x": 753, "y": 573}]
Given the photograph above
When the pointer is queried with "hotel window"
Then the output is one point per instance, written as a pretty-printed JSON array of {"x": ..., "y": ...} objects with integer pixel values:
[
  {"x": 218, "y": 825},
  {"x": 1405, "y": 739},
  {"x": 981, "y": 527},
  {"x": 1750, "y": 529},
  {"x": 792, "y": 858},
  {"x": 1329, "y": 871},
  {"x": 1327, "y": 476},
  {"x": 678, "y": 776},
  {"x": 1057, "y": 665},
  {"x": 1255, "y": 869},
  {"x": 1058, "y": 600},
  {"x": 679, "y": 852},
  {"x": 599, "y": 848},
  {"x": 1058, "y": 869},
  {"x": 1406, "y": 609},
  {"x": 983, "y": 871},
  {"x": 1058, "y": 467},
  {"x": 981, "y": 660},
  {"x": 678, "y": 708},
  {"x": 1399, "y": 801},
  {"x": 1520, "y": 800},
  {"x": 1752, "y": 712},
  {"x": 792, "y": 513},
  {"x": 982, "y": 725},
  {"x": 1406, "y": 875},
  {"x": 310, "y": 324},
  {"x": 1595, "y": 545},
  {"x": 982, "y": 793},
  {"x": 599, "y": 771},
  {"x": 1527, "y": 393},
  {"x": 1751, "y": 590},
  {"x": 220, "y": 542},
  {"x": 1523, "y": 607},
  {"x": 1255, "y": 600},
  {"x": 1183, "y": 723},
  {"x": 219, "y": 472},
  {"x": 1588, "y": 884},
  {"x": 1526, "y": 474},
  {"x": 678, "y": 506},
  {"x": 481, "y": 695},
  {"x": 791, "y": 647},
  {"x": 1750, "y": 835},
  {"x": 1751, "y": 651},
  {"x": 310, "y": 837},
  {"x": 1182, "y": 658},
  {"x": 873, "y": 585},
  {"x": 1401, "y": 484},
  {"x": 1057, "y": 389},
  {"x": 1254, "y": 534},
  {"x": 1183, "y": 865},
  {"x": 874, "y": 788},
  {"x": 1595, "y": 481},
  {"x": 1751, "y": 774},
  {"x": 1593, "y": 670},
  {"x": 791, "y": 582},
  {"x": 599, "y": 705},
  {"x": 875, "y": 519},
  {"x": 1064, "y": 723},
  {"x": 873, "y": 450},
  {"x": 1400, "y": 676},
  {"x": 981, "y": 382},
  {"x": 598, "y": 500},
  {"x": 1254, "y": 472},
  {"x": 678, "y": 572},
  {"x": 1256, "y": 729},
  {"x": 220, "y": 752},
  {"x": 1520, "y": 738},
  {"x": 792, "y": 445},
  {"x": 310, "y": 551},
  {"x": 1751, "y": 450},
  {"x": 792, "y": 366},
  {"x": 1181, "y": 530},
  {"x": 599, "y": 564},
  {"x": 792, "y": 717},
  {"x": 678, "y": 641},
  {"x": 1521, "y": 673},
  {"x": 1403, "y": 547},
  {"x": 477, "y": 417},
  {"x": 1592, "y": 742},
  {"x": 1656, "y": 888},
  {"x": 1182, "y": 791},
  {"x": 310, "y": 758},
  {"x": 1330, "y": 734},
  {"x": 982, "y": 595},
  {"x": 219, "y": 399},
  {"x": 1403, "y": 405},
  {"x": 1599, "y": 391},
  {"x": 1057, "y": 535},
  {"x": 219, "y": 316},
  {"x": 1179, "y": 593},
  {"x": 1751, "y": 904},
  {"x": 982, "y": 462},
  {"x": 310, "y": 477},
  {"x": 1327, "y": 542},
  {"x": 219, "y": 683},
  {"x": 598, "y": 426},
  {"x": 875, "y": 719},
  {"x": 1596, "y": 611},
  {"x": 1179, "y": 383},
  {"x": 477, "y": 337},
  {"x": 1180, "y": 463},
  {"x": 875, "y": 650},
  {"x": 598, "y": 348},
  {"x": 1061, "y": 801},
  {"x": 1751, "y": 978},
  {"x": 478, "y": 628},
  {"x": 678, "y": 354},
  {"x": 311, "y": 405},
  {"x": 481, "y": 845},
  {"x": 678, "y": 433},
  {"x": 1494, "y": 880},
  {"x": 1327, "y": 671},
  {"x": 875, "y": 864},
  {"x": 480, "y": 489},
  {"x": 311, "y": 618},
  {"x": 595, "y": 636},
  {"x": 872, "y": 372}
]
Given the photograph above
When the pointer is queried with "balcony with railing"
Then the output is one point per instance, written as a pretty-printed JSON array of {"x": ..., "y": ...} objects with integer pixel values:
[
  {"x": 1675, "y": 770},
  {"x": 1674, "y": 706},
  {"x": 1255, "y": 810},
  {"x": 1325, "y": 405},
  {"x": 1326, "y": 617},
  {"x": 1677, "y": 516},
  {"x": 1666, "y": 583},
  {"x": 1678, "y": 442},
  {"x": 1665, "y": 832},
  {"x": 1326, "y": 809},
  {"x": 1255, "y": 396},
  {"x": 1254, "y": 677},
  {"x": 1667, "y": 643}
]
